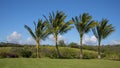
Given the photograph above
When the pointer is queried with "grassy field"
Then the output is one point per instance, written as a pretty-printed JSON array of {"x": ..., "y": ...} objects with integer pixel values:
[{"x": 57, "y": 63}]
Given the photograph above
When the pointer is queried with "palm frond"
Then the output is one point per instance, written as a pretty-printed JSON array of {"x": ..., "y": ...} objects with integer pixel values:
[
  {"x": 90, "y": 25},
  {"x": 65, "y": 27},
  {"x": 107, "y": 31},
  {"x": 30, "y": 31}
]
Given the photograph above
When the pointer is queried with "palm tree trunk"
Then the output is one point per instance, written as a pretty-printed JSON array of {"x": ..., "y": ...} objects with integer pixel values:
[
  {"x": 99, "y": 55},
  {"x": 81, "y": 53},
  {"x": 58, "y": 52},
  {"x": 37, "y": 47}
]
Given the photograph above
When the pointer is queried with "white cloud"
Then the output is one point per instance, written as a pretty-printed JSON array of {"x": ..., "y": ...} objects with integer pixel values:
[
  {"x": 14, "y": 37},
  {"x": 114, "y": 42},
  {"x": 89, "y": 40},
  {"x": 60, "y": 37},
  {"x": 51, "y": 37},
  {"x": 30, "y": 40}
]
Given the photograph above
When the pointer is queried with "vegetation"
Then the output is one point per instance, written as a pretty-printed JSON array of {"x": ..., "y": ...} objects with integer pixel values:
[
  {"x": 61, "y": 43},
  {"x": 41, "y": 33},
  {"x": 101, "y": 31},
  {"x": 83, "y": 24},
  {"x": 70, "y": 51},
  {"x": 57, "y": 25},
  {"x": 46, "y": 51},
  {"x": 59, "y": 63}
]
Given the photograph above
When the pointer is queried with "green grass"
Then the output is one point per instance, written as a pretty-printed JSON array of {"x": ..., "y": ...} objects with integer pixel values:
[{"x": 57, "y": 63}]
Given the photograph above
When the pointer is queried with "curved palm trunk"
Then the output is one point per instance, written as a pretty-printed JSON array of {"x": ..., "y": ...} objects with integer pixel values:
[
  {"x": 58, "y": 52},
  {"x": 99, "y": 55},
  {"x": 81, "y": 53},
  {"x": 37, "y": 47}
]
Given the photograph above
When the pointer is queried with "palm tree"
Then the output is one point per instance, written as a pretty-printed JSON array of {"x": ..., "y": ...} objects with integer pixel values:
[
  {"x": 40, "y": 33},
  {"x": 83, "y": 24},
  {"x": 57, "y": 26},
  {"x": 102, "y": 31}
]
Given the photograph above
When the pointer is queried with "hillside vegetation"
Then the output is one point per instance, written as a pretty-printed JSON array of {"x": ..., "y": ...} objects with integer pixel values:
[
  {"x": 45, "y": 51},
  {"x": 70, "y": 51}
]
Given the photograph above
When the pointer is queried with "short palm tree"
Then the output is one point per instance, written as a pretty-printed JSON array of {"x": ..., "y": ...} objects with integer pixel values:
[
  {"x": 83, "y": 24},
  {"x": 40, "y": 33},
  {"x": 57, "y": 25},
  {"x": 101, "y": 31}
]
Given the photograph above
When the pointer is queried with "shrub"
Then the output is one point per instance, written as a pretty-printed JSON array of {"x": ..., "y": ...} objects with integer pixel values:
[
  {"x": 69, "y": 53},
  {"x": 89, "y": 55},
  {"x": 25, "y": 52},
  {"x": 73, "y": 45},
  {"x": 8, "y": 55},
  {"x": 48, "y": 52},
  {"x": 113, "y": 57}
]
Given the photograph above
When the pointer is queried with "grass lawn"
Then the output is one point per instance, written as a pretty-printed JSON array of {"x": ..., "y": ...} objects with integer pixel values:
[{"x": 56, "y": 63}]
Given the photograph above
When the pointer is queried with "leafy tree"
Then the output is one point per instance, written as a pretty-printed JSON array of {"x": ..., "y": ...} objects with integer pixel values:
[
  {"x": 61, "y": 43},
  {"x": 57, "y": 25},
  {"x": 73, "y": 45},
  {"x": 40, "y": 33},
  {"x": 83, "y": 24},
  {"x": 102, "y": 31}
]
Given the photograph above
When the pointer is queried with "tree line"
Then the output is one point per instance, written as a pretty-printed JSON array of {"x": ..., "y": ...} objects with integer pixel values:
[{"x": 55, "y": 24}]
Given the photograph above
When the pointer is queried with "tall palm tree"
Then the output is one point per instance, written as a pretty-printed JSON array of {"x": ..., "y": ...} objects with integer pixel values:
[
  {"x": 83, "y": 24},
  {"x": 57, "y": 26},
  {"x": 40, "y": 33},
  {"x": 102, "y": 31}
]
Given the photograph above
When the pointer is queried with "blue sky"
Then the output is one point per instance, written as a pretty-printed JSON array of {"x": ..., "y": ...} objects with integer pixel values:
[{"x": 14, "y": 14}]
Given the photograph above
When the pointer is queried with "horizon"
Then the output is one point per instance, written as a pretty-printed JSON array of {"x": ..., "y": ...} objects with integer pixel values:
[{"x": 15, "y": 14}]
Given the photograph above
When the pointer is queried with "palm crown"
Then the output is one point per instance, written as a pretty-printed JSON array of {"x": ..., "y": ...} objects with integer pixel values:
[
  {"x": 40, "y": 30},
  {"x": 103, "y": 30}
]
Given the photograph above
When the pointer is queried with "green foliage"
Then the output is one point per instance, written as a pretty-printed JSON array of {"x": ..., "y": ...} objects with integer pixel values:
[
  {"x": 66, "y": 53},
  {"x": 69, "y": 53},
  {"x": 73, "y": 45},
  {"x": 5, "y": 52},
  {"x": 61, "y": 43},
  {"x": 25, "y": 52},
  {"x": 89, "y": 55},
  {"x": 50, "y": 52},
  {"x": 113, "y": 56},
  {"x": 108, "y": 52}
]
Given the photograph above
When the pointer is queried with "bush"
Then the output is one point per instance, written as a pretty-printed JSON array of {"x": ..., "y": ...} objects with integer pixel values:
[
  {"x": 113, "y": 57},
  {"x": 73, "y": 45},
  {"x": 89, "y": 55},
  {"x": 8, "y": 55},
  {"x": 25, "y": 52},
  {"x": 48, "y": 52},
  {"x": 69, "y": 53}
]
